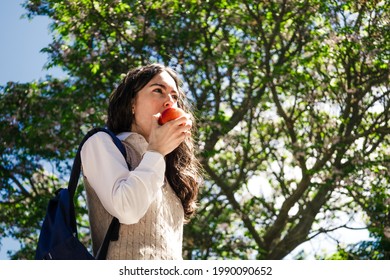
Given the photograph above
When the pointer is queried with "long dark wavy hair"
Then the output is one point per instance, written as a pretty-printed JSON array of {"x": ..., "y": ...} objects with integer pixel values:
[{"x": 182, "y": 166}]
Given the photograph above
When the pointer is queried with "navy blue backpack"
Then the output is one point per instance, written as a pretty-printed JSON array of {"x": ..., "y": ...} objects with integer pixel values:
[{"x": 58, "y": 239}]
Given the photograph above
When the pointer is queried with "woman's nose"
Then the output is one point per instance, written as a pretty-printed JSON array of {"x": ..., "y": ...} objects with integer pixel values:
[{"x": 169, "y": 102}]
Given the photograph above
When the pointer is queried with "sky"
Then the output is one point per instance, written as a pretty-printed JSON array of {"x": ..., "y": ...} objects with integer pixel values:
[
  {"x": 21, "y": 40},
  {"x": 21, "y": 61},
  {"x": 20, "y": 58}
]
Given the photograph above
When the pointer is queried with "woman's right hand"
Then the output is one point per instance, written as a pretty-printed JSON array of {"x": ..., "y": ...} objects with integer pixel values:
[{"x": 165, "y": 138}]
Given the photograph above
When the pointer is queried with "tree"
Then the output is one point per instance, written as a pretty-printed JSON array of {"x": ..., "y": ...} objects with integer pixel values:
[{"x": 291, "y": 98}]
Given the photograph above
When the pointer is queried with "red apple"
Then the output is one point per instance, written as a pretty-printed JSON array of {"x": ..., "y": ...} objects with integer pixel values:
[{"x": 170, "y": 114}]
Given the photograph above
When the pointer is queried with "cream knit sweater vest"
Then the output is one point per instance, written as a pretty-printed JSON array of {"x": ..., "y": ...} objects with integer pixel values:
[{"x": 157, "y": 236}]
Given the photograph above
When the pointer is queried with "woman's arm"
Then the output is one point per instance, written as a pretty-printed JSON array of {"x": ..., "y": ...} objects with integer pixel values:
[{"x": 124, "y": 194}]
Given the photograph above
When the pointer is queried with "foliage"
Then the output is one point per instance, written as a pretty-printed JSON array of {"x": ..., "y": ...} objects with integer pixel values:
[
  {"x": 365, "y": 250},
  {"x": 291, "y": 98}
]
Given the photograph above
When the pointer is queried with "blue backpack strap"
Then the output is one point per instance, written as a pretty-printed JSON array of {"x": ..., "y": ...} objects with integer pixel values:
[
  {"x": 76, "y": 168},
  {"x": 113, "y": 231}
]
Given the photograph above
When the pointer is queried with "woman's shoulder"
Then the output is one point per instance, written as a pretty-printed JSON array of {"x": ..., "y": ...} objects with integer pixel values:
[
  {"x": 103, "y": 137},
  {"x": 123, "y": 135},
  {"x": 100, "y": 138}
]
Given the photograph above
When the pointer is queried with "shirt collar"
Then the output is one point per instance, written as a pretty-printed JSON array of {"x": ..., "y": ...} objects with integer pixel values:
[{"x": 137, "y": 140}]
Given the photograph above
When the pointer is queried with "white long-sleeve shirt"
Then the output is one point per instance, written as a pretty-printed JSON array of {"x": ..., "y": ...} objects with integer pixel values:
[{"x": 124, "y": 194}]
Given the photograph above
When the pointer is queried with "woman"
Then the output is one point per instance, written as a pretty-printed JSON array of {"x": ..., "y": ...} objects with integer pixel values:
[{"x": 157, "y": 195}]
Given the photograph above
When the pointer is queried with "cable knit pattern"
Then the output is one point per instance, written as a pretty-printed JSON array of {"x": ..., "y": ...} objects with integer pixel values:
[{"x": 157, "y": 236}]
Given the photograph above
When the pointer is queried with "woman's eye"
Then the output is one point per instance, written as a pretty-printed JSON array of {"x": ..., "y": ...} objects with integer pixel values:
[{"x": 159, "y": 90}]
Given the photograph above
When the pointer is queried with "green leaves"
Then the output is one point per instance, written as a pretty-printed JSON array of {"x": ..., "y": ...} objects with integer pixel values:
[{"x": 293, "y": 92}]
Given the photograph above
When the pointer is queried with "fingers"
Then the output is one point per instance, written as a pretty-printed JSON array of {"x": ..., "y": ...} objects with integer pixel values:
[
  {"x": 182, "y": 121},
  {"x": 181, "y": 127},
  {"x": 178, "y": 128},
  {"x": 169, "y": 136}
]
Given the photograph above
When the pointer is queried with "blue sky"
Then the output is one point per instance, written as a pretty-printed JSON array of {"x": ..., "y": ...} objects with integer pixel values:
[
  {"x": 21, "y": 42},
  {"x": 20, "y": 59}
]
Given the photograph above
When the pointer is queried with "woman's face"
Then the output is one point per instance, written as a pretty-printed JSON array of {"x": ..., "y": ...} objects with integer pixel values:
[{"x": 160, "y": 93}]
